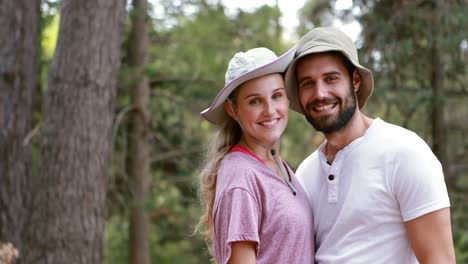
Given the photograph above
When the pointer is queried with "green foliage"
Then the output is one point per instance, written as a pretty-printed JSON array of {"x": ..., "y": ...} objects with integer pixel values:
[
  {"x": 116, "y": 248},
  {"x": 174, "y": 213},
  {"x": 172, "y": 228},
  {"x": 192, "y": 55},
  {"x": 461, "y": 246},
  {"x": 49, "y": 36},
  {"x": 50, "y": 20}
]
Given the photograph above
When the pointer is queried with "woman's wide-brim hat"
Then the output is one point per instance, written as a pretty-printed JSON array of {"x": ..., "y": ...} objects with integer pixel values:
[
  {"x": 324, "y": 39},
  {"x": 245, "y": 66}
]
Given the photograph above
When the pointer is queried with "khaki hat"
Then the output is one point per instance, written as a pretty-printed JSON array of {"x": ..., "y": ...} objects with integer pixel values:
[
  {"x": 325, "y": 39},
  {"x": 245, "y": 66}
]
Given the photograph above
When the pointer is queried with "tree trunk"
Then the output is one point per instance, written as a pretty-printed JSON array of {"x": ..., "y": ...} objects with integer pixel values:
[
  {"x": 137, "y": 161},
  {"x": 439, "y": 146},
  {"x": 19, "y": 20},
  {"x": 68, "y": 212}
]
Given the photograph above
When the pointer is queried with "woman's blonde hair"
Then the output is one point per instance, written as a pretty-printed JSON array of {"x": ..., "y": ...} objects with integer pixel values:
[{"x": 227, "y": 136}]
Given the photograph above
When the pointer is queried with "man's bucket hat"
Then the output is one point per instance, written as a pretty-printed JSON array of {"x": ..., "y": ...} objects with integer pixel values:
[
  {"x": 325, "y": 39},
  {"x": 245, "y": 66}
]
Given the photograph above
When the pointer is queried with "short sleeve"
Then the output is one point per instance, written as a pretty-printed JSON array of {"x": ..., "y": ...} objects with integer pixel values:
[
  {"x": 236, "y": 218},
  {"x": 418, "y": 181}
]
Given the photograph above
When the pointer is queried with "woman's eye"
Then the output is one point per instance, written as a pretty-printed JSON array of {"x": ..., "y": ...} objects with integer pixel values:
[
  {"x": 254, "y": 101},
  {"x": 277, "y": 96},
  {"x": 331, "y": 78}
]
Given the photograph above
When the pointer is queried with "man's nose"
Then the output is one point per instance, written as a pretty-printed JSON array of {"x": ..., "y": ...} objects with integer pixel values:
[{"x": 321, "y": 91}]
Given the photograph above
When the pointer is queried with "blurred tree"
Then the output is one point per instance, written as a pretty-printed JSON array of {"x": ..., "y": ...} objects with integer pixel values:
[
  {"x": 439, "y": 133},
  {"x": 138, "y": 159},
  {"x": 67, "y": 212},
  {"x": 315, "y": 13},
  {"x": 19, "y": 38}
]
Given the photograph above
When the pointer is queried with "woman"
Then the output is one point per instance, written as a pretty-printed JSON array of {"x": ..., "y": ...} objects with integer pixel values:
[{"x": 255, "y": 210}]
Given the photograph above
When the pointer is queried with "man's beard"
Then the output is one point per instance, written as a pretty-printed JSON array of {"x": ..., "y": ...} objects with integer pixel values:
[{"x": 329, "y": 124}]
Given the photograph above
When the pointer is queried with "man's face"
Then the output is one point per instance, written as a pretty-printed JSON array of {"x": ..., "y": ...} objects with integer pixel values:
[{"x": 326, "y": 91}]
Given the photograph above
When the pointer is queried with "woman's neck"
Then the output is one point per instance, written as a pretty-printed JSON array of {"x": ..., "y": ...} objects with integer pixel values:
[{"x": 261, "y": 150}]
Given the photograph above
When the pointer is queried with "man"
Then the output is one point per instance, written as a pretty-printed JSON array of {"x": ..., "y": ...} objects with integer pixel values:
[{"x": 377, "y": 191}]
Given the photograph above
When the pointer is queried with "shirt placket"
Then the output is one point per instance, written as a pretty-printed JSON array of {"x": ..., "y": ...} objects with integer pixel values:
[{"x": 333, "y": 180}]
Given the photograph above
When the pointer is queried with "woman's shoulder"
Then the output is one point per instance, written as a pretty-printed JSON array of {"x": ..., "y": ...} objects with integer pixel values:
[
  {"x": 238, "y": 170},
  {"x": 239, "y": 161}
]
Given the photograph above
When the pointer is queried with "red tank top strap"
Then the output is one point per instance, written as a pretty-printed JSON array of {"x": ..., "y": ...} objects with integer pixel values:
[{"x": 244, "y": 150}]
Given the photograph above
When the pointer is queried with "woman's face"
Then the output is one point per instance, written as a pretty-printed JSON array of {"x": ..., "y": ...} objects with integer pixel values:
[{"x": 261, "y": 107}]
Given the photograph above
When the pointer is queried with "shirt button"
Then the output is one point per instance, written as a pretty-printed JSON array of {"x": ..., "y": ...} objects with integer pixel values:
[{"x": 331, "y": 177}]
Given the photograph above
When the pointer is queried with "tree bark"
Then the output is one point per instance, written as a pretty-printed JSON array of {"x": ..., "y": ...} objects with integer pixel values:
[
  {"x": 138, "y": 159},
  {"x": 68, "y": 211},
  {"x": 19, "y": 31}
]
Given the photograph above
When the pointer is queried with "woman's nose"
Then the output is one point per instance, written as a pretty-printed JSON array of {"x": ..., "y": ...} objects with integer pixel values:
[{"x": 269, "y": 107}]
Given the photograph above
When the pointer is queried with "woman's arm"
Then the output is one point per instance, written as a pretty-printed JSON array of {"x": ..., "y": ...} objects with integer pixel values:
[{"x": 243, "y": 253}]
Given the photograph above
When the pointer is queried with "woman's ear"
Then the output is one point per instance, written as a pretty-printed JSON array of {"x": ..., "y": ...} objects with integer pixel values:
[
  {"x": 356, "y": 80},
  {"x": 229, "y": 108}
]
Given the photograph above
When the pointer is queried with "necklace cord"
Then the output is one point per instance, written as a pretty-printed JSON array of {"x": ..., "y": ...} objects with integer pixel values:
[
  {"x": 283, "y": 173},
  {"x": 278, "y": 165}
]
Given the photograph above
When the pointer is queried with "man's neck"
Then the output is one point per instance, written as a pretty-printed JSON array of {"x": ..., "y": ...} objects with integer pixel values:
[{"x": 337, "y": 140}]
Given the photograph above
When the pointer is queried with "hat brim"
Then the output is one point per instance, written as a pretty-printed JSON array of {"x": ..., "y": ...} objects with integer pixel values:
[
  {"x": 216, "y": 113},
  {"x": 364, "y": 92}
]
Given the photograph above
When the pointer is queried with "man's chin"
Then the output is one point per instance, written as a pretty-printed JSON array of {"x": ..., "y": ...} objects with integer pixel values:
[
  {"x": 320, "y": 124},
  {"x": 325, "y": 126}
]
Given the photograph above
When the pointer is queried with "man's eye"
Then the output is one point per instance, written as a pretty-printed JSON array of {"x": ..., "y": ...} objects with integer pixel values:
[{"x": 306, "y": 84}]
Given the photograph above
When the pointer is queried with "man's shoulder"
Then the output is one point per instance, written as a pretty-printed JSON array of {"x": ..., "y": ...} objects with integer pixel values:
[
  {"x": 394, "y": 135},
  {"x": 391, "y": 129},
  {"x": 399, "y": 142},
  {"x": 310, "y": 161}
]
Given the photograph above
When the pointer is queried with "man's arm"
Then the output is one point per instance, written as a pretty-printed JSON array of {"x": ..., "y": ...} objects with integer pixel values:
[{"x": 430, "y": 236}]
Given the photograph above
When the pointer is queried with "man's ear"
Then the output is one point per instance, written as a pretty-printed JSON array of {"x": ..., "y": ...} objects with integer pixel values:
[
  {"x": 356, "y": 80},
  {"x": 229, "y": 108}
]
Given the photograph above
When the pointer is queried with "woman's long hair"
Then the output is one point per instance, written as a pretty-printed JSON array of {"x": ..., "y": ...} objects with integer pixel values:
[{"x": 227, "y": 136}]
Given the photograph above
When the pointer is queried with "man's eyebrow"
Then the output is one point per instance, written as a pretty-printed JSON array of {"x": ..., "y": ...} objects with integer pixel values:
[
  {"x": 332, "y": 72},
  {"x": 323, "y": 74}
]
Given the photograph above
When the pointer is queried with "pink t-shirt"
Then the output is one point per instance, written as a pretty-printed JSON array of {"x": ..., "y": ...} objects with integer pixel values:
[{"x": 253, "y": 203}]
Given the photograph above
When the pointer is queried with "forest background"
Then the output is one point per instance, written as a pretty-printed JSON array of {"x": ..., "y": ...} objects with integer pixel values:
[{"x": 101, "y": 139}]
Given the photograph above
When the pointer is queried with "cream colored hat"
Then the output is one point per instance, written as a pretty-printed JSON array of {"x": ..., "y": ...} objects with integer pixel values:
[
  {"x": 324, "y": 39},
  {"x": 245, "y": 66}
]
